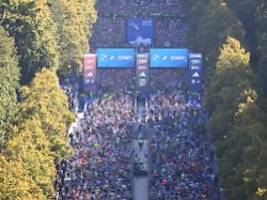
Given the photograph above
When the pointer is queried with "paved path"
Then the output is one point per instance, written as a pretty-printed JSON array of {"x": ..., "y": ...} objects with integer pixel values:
[
  {"x": 141, "y": 152},
  {"x": 141, "y": 184}
]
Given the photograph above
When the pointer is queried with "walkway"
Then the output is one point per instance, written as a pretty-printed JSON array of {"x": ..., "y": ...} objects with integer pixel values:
[{"x": 141, "y": 184}]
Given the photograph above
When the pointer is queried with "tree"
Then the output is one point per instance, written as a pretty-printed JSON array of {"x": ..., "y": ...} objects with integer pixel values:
[
  {"x": 30, "y": 23},
  {"x": 253, "y": 15},
  {"x": 30, "y": 146},
  {"x": 237, "y": 123},
  {"x": 233, "y": 74},
  {"x": 235, "y": 100},
  {"x": 9, "y": 83},
  {"x": 210, "y": 22},
  {"x": 74, "y": 21},
  {"x": 15, "y": 184},
  {"x": 44, "y": 100}
]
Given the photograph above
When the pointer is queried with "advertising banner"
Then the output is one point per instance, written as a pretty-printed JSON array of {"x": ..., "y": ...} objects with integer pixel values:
[
  {"x": 142, "y": 61},
  {"x": 195, "y": 78},
  {"x": 169, "y": 58},
  {"x": 89, "y": 72},
  {"x": 140, "y": 31},
  {"x": 115, "y": 57}
]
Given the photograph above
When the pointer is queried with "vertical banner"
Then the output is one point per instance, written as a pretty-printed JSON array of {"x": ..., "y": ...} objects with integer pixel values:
[
  {"x": 142, "y": 67},
  {"x": 89, "y": 73},
  {"x": 195, "y": 78}
]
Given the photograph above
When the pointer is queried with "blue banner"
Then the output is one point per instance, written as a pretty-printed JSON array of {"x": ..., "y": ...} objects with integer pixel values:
[
  {"x": 115, "y": 58},
  {"x": 140, "y": 31},
  {"x": 169, "y": 58}
]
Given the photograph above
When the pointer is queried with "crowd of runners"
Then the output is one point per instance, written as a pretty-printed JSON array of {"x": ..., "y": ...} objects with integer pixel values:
[
  {"x": 110, "y": 80},
  {"x": 182, "y": 163},
  {"x": 101, "y": 165}
]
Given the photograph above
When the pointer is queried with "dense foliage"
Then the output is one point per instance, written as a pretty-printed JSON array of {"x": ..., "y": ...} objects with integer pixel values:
[
  {"x": 30, "y": 23},
  {"x": 51, "y": 34},
  {"x": 9, "y": 82},
  {"x": 74, "y": 20},
  {"x": 30, "y": 147},
  {"x": 235, "y": 81},
  {"x": 15, "y": 182},
  {"x": 37, "y": 140},
  {"x": 36, "y": 39},
  {"x": 44, "y": 100}
]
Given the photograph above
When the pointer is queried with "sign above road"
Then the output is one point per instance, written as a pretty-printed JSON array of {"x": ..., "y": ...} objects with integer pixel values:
[
  {"x": 169, "y": 58},
  {"x": 115, "y": 57}
]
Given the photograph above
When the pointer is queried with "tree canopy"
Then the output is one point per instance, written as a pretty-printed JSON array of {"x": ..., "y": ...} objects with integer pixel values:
[
  {"x": 44, "y": 100},
  {"x": 74, "y": 21},
  {"x": 15, "y": 183},
  {"x": 37, "y": 39},
  {"x": 30, "y": 23},
  {"x": 235, "y": 86},
  {"x": 9, "y": 82},
  {"x": 30, "y": 146}
]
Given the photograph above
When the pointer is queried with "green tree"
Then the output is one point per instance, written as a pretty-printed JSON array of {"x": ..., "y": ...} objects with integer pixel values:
[
  {"x": 74, "y": 21},
  {"x": 9, "y": 82},
  {"x": 237, "y": 123},
  {"x": 15, "y": 184},
  {"x": 46, "y": 101},
  {"x": 30, "y": 146},
  {"x": 30, "y": 23},
  {"x": 233, "y": 74},
  {"x": 210, "y": 22},
  {"x": 253, "y": 15},
  {"x": 234, "y": 98}
]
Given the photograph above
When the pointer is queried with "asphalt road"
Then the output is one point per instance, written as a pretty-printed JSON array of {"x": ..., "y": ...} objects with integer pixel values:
[
  {"x": 140, "y": 188},
  {"x": 141, "y": 184}
]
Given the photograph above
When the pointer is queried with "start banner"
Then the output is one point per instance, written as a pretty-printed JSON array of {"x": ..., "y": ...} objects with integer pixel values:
[
  {"x": 115, "y": 57},
  {"x": 169, "y": 58}
]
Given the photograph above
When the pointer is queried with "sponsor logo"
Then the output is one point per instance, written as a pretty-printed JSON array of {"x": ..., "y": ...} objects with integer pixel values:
[
  {"x": 195, "y": 61},
  {"x": 142, "y": 82},
  {"x": 142, "y": 67},
  {"x": 156, "y": 57},
  {"x": 195, "y": 67},
  {"x": 90, "y": 74},
  {"x": 164, "y": 57},
  {"x": 142, "y": 61},
  {"x": 195, "y": 55},
  {"x": 196, "y": 75},
  {"x": 103, "y": 57},
  {"x": 143, "y": 75}
]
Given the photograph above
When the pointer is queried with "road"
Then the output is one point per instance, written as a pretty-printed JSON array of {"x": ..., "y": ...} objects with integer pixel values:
[
  {"x": 141, "y": 184},
  {"x": 140, "y": 188}
]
